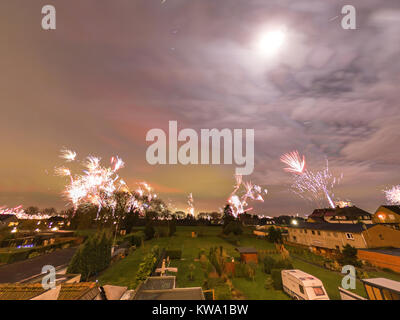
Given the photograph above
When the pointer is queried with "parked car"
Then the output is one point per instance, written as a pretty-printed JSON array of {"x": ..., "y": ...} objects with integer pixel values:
[{"x": 303, "y": 286}]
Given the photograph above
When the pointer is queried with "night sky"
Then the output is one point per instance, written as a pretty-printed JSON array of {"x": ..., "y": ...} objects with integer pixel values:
[{"x": 112, "y": 70}]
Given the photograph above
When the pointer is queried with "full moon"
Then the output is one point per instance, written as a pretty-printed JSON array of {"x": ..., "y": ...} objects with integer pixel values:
[{"x": 270, "y": 42}]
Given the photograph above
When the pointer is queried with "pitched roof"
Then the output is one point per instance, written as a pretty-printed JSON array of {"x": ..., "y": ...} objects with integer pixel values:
[
  {"x": 340, "y": 227},
  {"x": 351, "y": 212},
  {"x": 246, "y": 250},
  {"x": 395, "y": 209},
  {"x": 386, "y": 251},
  {"x": 78, "y": 291},
  {"x": 15, "y": 291}
]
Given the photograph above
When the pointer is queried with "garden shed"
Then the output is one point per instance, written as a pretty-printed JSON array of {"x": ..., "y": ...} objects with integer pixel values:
[{"x": 248, "y": 254}]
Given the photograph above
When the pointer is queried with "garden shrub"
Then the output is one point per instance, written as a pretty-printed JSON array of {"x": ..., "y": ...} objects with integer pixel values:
[
  {"x": 135, "y": 239},
  {"x": 93, "y": 256},
  {"x": 268, "y": 264},
  {"x": 203, "y": 261},
  {"x": 268, "y": 284},
  {"x": 221, "y": 289},
  {"x": 201, "y": 252},
  {"x": 15, "y": 254},
  {"x": 174, "y": 254},
  {"x": 147, "y": 265},
  {"x": 149, "y": 232},
  {"x": 250, "y": 270},
  {"x": 171, "y": 227},
  {"x": 234, "y": 227},
  {"x": 274, "y": 235},
  {"x": 276, "y": 279},
  {"x": 240, "y": 270},
  {"x": 283, "y": 264},
  {"x": 162, "y": 232},
  {"x": 217, "y": 259},
  {"x": 349, "y": 256}
]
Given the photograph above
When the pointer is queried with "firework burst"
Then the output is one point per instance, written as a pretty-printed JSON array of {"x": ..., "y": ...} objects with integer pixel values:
[
  {"x": 239, "y": 204},
  {"x": 296, "y": 163},
  {"x": 313, "y": 186},
  {"x": 97, "y": 185},
  {"x": 393, "y": 195}
]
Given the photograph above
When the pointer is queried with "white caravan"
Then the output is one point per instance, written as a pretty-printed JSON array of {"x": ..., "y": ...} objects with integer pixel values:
[{"x": 303, "y": 286}]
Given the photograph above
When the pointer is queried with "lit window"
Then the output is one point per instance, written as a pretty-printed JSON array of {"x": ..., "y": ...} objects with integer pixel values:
[{"x": 349, "y": 236}]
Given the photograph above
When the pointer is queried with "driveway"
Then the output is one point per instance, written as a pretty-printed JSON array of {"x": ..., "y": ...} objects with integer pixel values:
[{"x": 21, "y": 270}]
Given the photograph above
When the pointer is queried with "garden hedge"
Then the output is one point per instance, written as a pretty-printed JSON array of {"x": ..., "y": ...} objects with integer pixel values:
[{"x": 15, "y": 255}]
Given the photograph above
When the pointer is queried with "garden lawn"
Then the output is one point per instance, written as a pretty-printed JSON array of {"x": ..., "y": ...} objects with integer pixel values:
[
  {"x": 331, "y": 280},
  {"x": 255, "y": 290},
  {"x": 123, "y": 272}
]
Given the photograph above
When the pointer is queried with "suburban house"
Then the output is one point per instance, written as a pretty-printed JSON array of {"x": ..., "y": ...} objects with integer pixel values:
[
  {"x": 388, "y": 215},
  {"x": 8, "y": 221},
  {"x": 163, "y": 288},
  {"x": 351, "y": 214},
  {"x": 248, "y": 254},
  {"x": 332, "y": 237}
]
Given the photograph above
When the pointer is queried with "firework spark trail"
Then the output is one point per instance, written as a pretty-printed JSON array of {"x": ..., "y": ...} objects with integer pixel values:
[
  {"x": 239, "y": 204},
  {"x": 307, "y": 184},
  {"x": 68, "y": 155},
  {"x": 294, "y": 161},
  {"x": 145, "y": 195},
  {"x": 97, "y": 185},
  {"x": 393, "y": 195},
  {"x": 191, "y": 205},
  {"x": 20, "y": 213}
]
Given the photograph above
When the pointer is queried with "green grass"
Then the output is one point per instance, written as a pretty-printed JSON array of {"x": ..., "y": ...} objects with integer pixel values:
[
  {"x": 330, "y": 279},
  {"x": 255, "y": 290},
  {"x": 123, "y": 272}
]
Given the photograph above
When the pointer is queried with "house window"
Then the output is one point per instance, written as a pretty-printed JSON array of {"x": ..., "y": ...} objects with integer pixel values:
[
  {"x": 328, "y": 234},
  {"x": 294, "y": 238},
  {"x": 301, "y": 288},
  {"x": 335, "y": 234},
  {"x": 305, "y": 231},
  {"x": 349, "y": 236},
  {"x": 313, "y": 232},
  {"x": 381, "y": 237},
  {"x": 319, "y": 233},
  {"x": 391, "y": 217}
]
